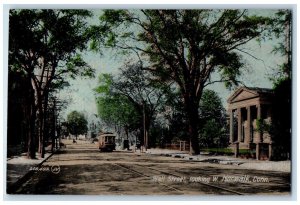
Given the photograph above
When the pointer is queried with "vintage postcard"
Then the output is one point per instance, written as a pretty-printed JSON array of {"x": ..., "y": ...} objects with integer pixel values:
[{"x": 150, "y": 102}]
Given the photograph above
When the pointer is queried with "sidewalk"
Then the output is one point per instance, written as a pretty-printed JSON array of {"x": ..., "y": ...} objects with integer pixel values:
[
  {"x": 20, "y": 168},
  {"x": 281, "y": 166}
]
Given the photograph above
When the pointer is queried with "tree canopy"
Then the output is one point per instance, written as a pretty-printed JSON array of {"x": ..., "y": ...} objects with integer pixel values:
[
  {"x": 281, "y": 126},
  {"x": 77, "y": 123},
  {"x": 114, "y": 109},
  {"x": 133, "y": 90},
  {"x": 213, "y": 126},
  {"x": 46, "y": 45},
  {"x": 50, "y": 38},
  {"x": 282, "y": 29},
  {"x": 183, "y": 46}
]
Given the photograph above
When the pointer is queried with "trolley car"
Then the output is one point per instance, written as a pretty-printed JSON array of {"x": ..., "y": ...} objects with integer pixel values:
[{"x": 107, "y": 142}]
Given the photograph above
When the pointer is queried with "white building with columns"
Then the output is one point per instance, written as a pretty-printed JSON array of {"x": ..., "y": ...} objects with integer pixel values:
[{"x": 246, "y": 106}]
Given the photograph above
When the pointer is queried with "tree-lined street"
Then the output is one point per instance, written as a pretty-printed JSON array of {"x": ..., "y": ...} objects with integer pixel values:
[
  {"x": 84, "y": 170},
  {"x": 158, "y": 90}
]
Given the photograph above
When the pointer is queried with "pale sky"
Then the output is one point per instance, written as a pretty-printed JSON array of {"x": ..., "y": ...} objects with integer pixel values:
[{"x": 256, "y": 74}]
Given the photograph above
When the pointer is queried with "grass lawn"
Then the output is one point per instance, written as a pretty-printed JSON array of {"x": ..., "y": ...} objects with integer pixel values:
[{"x": 226, "y": 151}]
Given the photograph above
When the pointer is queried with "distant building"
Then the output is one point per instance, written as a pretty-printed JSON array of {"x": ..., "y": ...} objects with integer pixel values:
[{"x": 245, "y": 107}]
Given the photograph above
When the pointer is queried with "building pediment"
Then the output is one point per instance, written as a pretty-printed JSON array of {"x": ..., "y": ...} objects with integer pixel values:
[{"x": 242, "y": 94}]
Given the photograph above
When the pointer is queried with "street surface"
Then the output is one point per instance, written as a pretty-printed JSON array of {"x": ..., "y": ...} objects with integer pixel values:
[{"x": 81, "y": 169}]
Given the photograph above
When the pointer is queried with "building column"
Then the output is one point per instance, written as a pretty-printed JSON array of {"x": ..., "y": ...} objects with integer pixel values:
[
  {"x": 258, "y": 135},
  {"x": 239, "y": 124},
  {"x": 258, "y": 111},
  {"x": 236, "y": 149},
  {"x": 182, "y": 145},
  {"x": 248, "y": 135},
  {"x": 258, "y": 140},
  {"x": 257, "y": 150},
  {"x": 231, "y": 126},
  {"x": 270, "y": 151}
]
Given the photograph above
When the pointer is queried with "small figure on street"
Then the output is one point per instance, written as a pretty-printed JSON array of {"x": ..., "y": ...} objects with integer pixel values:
[{"x": 74, "y": 141}]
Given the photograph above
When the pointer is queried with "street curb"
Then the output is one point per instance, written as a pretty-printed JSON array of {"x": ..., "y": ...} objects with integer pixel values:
[{"x": 13, "y": 187}]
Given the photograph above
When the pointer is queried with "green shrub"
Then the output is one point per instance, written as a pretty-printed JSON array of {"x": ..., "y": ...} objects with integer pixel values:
[{"x": 227, "y": 151}]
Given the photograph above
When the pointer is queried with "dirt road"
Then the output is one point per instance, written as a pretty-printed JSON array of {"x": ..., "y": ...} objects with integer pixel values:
[{"x": 81, "y": 169}]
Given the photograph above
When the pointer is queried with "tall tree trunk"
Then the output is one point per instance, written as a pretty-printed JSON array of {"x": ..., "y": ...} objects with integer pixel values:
[
  {"x": 44, "y": 118},
  {"x": 146, "y": 127},
  {"x": 193, "y": 130},
  {"x": 30, "y": 113},
  {"x": 126, "y": 131},
  {"x": 41, "y": 124},
  {"x": 31, "y": 134},
  {"x": 191, "y": 106},
  {"x": 42, "y": 104},
  {"x": 41, "y": 132},
  {"x": 147, "y": 133},
  {"x": 53, "y": 129},
  {"x": 52, "y": 144}
]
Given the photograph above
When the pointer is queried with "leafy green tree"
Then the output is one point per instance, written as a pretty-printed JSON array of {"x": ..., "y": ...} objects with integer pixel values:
[
  {"x": 282, "y": 101},
  {"x": 145, "y": 93},
  {"x": 140, "y": 95},
  {"x": 19, "y": 109},
  {"x": 118, "y": 111},
  {"x": 178, "y": 127},
  {"x": 115, "y": 109},
  {"x": 77, "y": 123},
  {"x": 184, "y": 46},
  {"x": 175, "y": 116},
  {"x": 47, "y": 51},
  {"x": 212, "y": 124},
  {"x": 282, "y": 30}
]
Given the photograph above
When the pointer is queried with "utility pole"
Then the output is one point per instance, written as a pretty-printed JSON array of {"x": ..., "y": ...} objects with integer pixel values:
[
  {"x": 56, "y": 108},
  {"x": 55, "y": 125},
  {"x": 144, "y": 126}
]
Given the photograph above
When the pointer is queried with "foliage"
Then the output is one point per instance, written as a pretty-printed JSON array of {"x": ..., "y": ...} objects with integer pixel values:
[
  {"x": 227, "y": 151},
  {"x": 118, "y": 110},
  {"x": 140, "y": 88},
  {"x": 281, "y": 125},
  {"x": 211, "y": 106},
  {"x": 46, "y": 46},
  {"x": 124, "y": 99},
  {"x": 212, "y": 126},
  {"x": 219, "y": 151},
  {"x": 262, "y": 126},
  {"x": 178, "y": 127},
  {"x": 282, "y": 30},
  {"x": 50, "y": 38},
  {"x": 104, "y": 84},
  {"x": 77, "y": 123},
  {"x": 175, "y": 117},
  {"x": 146, "y": 94},
  {"x": 183, "y": 46},
  {"x": 115, "y": 109}
]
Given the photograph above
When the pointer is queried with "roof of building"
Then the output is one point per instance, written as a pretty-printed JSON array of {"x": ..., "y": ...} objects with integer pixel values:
[
  {"x": 254, "y": 90},
  {"x": 260, "y": 90}
]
